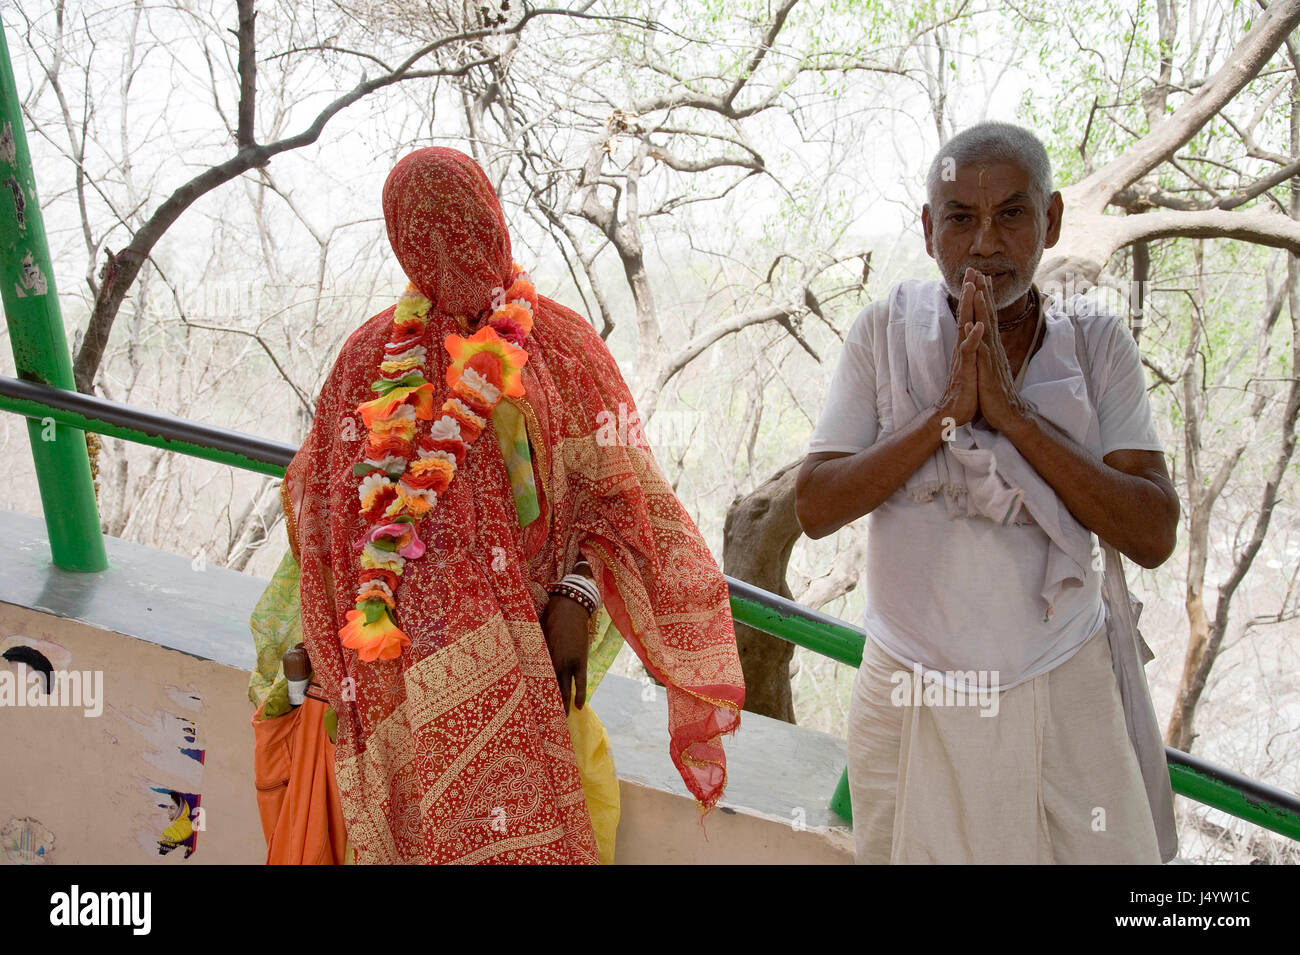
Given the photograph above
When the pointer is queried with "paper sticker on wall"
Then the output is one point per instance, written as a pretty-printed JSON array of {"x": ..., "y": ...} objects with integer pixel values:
[
  {"x": 186, "y": 699},
  {"x": 182, "y": 811},
  {"x": 175, "y": 745},
  {"x": 8, "y": 149},
  {"x": 26, "y": 841},
  {"x": 175, "y": 817}
]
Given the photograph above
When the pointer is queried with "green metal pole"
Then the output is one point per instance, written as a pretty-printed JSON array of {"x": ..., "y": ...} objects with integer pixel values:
[
  {"x": 40, "y": 347},
  {"x": 842, "y": 801}
]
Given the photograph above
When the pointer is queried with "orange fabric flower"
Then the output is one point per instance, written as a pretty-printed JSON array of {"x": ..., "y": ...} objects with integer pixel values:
[
  {"x": 453, "y": 447},
  {"x": 430, "y": 474},
  {"x": 521, "y": 315},
  {"x": 375, "y": 593},
  {"x": 381, "y": 640},
  {"x": 380, "y": 446},
  {"x": 486, "y": 339},
  {"x": 471, "y": 425},
  {"x": 420, "y": 397}
]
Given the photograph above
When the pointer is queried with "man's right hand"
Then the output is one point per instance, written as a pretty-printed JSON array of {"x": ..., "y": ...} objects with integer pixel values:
[
  {"x": 960, "y": 400},
  {"x": 836, "y": 487}
]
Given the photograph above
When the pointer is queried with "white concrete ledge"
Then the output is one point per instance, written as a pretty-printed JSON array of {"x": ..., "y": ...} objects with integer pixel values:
[{"x": 173, "y": 645}]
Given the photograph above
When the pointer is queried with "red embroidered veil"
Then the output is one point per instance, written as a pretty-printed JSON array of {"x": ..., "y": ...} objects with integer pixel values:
[{"x": 468, "y": 722}]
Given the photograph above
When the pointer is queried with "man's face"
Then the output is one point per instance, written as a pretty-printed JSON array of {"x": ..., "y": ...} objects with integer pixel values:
[{"x": 989, "y": 218}]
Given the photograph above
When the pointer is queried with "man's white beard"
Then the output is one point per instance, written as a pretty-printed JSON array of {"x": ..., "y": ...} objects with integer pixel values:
[{"x": 955, "y": 277}]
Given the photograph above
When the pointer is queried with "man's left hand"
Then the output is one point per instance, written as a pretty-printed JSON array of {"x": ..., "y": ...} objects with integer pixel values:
[
  {"x": 564, "y": 621},
  {"x": 1000, "y": 404}
]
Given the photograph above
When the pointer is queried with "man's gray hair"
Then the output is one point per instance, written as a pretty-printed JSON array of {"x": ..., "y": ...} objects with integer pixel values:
[{"x": 993, "y": 141}]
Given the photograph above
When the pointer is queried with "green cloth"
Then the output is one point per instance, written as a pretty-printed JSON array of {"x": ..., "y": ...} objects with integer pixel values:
[
  {"x": 277, "y": 628},
  {"x": 603, "y": 649},
  {"x": 512, "y": 435}
]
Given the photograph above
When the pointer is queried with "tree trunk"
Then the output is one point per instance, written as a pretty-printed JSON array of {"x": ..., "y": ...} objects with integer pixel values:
[
  {"x": 760, "y": 531},
  {"x": 1180, "y": 734}
]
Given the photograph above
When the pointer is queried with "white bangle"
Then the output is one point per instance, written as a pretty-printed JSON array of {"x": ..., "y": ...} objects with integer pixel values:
[{"x": 585, "y": 584}]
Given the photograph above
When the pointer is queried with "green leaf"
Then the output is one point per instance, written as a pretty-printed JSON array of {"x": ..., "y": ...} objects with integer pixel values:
[
  {"x": 373, "y": 608},
  {"x": 385, "y": 385}
]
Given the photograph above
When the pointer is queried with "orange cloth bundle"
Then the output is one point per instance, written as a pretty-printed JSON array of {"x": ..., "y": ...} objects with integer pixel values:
[{"x": 297, "y": 794}]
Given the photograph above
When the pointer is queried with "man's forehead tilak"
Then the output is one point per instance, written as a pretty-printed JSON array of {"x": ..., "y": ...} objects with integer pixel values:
[
  {"x": 983, "y": 187},
  {"x": 983, "y": 191}
]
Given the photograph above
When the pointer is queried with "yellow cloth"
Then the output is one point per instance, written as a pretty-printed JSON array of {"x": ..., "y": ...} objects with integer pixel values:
[{"x": 599, "y": 780}]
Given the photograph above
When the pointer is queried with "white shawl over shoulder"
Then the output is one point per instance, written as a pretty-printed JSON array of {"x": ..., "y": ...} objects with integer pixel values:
[{"x": 979, "y": 473}]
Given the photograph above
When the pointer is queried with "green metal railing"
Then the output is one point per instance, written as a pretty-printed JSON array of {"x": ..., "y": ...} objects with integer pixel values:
[{"x": 1189, "y": 776}]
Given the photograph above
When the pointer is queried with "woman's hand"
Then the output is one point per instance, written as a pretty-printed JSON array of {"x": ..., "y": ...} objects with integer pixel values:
[{"x": 564, "y": 621}]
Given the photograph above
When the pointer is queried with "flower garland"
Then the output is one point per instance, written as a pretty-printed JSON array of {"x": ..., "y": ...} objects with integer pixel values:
[{"x": 397, "y": 487}]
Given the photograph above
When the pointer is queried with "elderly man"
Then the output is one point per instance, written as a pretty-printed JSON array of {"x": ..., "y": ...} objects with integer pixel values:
[{"x": 986, "y": 723}]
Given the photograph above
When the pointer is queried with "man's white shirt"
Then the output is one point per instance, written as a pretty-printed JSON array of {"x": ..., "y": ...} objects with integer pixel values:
[{"x": 965, "y": 594}]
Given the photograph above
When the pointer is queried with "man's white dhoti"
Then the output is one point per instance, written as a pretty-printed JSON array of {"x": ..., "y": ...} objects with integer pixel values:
[{"x": 1051, "y": 778}]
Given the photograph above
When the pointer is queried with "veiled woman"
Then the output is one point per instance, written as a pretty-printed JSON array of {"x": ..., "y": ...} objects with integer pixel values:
[{"x": 456, "y": 474}]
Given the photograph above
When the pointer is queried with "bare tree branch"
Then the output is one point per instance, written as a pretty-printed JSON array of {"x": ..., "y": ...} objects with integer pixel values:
[{"x": 1266, "y": 34}]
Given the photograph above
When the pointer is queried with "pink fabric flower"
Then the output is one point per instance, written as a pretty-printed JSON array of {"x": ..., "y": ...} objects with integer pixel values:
[{"x": 408, "y": 541}]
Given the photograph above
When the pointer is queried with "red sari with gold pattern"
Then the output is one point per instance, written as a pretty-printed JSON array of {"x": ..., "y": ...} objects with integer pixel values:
[{"x": 458, "y": 750}]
